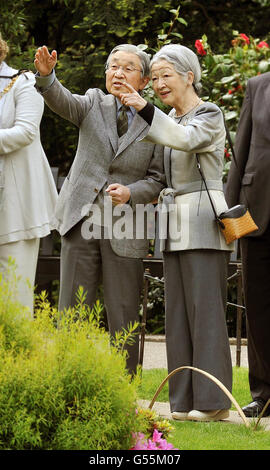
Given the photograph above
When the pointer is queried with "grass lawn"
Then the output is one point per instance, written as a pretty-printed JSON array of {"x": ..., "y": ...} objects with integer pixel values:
[{"x": 188, "y": 435}]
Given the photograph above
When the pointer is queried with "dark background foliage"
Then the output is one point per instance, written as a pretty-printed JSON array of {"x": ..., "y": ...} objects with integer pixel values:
[{"x": 84, "y": 32}]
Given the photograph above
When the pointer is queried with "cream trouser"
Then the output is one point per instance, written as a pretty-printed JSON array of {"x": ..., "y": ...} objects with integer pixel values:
[{"x": 25, "y": 254}]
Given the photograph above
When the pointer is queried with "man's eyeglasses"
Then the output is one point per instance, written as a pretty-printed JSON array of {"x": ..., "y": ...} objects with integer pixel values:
[{"x": 125, "y": 68}]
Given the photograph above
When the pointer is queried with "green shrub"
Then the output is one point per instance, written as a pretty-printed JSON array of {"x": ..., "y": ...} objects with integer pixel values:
[
  {"x": 15, "y": 322},
  {"x": 63, "y": 385}
]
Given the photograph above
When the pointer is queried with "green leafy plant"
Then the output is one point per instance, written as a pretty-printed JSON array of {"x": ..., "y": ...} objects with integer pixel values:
[
  {"x": 154, "y": 431},
  {"x": 63, "y": 385},
  {"x": 225, "y": 76},
  {"x": 150, "y": 420}
]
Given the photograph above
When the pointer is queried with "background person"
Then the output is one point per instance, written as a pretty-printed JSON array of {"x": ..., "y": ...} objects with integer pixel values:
[
  {"x": 195, "y": 264},
  {"x": 249, "y": 184},
  {"x": 109, "y": 160},
  {"x": 27, "y": 190}
]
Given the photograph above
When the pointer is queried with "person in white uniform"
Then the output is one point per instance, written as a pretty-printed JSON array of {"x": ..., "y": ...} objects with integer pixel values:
[
  {"x": 195, "y": 253},
  {"x": 27, "y": 190}
]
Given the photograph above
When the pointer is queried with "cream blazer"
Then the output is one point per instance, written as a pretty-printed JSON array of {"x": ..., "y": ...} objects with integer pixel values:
[
  {"x": 191, "y": 223},
  {"x": 29, "y": 194}
]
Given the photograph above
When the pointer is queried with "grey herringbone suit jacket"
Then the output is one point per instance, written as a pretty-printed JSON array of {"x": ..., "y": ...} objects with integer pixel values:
[{"x": 101, "y": 161}]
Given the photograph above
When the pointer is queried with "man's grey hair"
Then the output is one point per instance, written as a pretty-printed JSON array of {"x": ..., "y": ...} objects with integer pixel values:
[
  {"x": 183, "y": 60},
  {"x": 143, "y": 56}
]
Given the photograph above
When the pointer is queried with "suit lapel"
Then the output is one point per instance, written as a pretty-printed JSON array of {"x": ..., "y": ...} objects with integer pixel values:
[
  {"x": 108, "y": 109},
  {"x": 137, "y": 126}
]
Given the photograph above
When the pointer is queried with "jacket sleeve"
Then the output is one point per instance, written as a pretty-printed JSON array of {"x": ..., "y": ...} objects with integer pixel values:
[
  {"x": 60, "y": 100},
  {"x": 202, "y": 133},
  {"x": 242, "y": 144},
  {"x": 28, "y": 113}
]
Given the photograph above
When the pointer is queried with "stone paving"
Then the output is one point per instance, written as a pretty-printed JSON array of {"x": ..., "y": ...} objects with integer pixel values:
[{"x": 155, "y": 353}]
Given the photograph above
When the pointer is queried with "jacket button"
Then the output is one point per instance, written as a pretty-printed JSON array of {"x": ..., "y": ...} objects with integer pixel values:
[
  {"x": 96, "y": 190},
  {"x": 110, "y": 171}
]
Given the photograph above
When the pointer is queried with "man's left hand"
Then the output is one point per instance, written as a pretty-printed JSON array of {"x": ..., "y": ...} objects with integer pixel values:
[{"x": 118, "y": 193}]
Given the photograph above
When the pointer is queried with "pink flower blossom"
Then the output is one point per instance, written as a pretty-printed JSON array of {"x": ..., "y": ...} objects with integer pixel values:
[
  {"x": 233, "y": 90},
  {"x": 263, "y": 44},
  {"x": 155, "y": 443},
  {"x": 140, "y": 441},
  {"x": 226, "y": 153},
  {"x": 156, "y": 436},
  {"x": 151, "y": 445},
  {"x": 199, "y": 47},
  {"x": 245, "y": 38},
  {"x": 164, "y": 445}
]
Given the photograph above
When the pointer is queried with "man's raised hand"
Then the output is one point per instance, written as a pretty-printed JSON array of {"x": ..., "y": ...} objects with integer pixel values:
[{"x": 44, "y": 61}]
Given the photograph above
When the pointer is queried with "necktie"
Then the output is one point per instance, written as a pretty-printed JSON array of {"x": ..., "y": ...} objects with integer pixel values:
[{"x": 122, "y": 121}]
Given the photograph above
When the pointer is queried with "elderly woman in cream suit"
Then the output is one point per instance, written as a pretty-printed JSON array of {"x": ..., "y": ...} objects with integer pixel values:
[
  {"x": 27, "y": 189},
  {"x": 195, "y": 253}
]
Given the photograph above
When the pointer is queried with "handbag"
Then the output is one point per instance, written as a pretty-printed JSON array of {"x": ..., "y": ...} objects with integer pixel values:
[{"x": 235, "y": 222}]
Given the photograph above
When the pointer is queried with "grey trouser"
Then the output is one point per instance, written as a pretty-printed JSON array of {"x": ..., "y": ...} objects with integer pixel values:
[
  {"x": 196, "y": 331},
  {"x": 89, "y": 263}
]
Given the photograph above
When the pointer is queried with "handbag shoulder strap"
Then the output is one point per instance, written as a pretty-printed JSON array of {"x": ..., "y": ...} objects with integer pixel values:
[{"x": 210, "y": 199}]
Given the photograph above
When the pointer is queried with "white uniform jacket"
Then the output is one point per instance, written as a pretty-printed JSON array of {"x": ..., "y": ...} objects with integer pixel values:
[{"x": 28, "y": 192}]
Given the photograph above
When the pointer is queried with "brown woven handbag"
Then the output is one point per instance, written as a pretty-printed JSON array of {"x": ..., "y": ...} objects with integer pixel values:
[{"x": 236, "y": 222}]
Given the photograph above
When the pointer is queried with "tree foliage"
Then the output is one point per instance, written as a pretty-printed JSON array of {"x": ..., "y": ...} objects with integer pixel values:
[
  {"x": 225, "y": 76},
  {"x": 84, "y": 32}
]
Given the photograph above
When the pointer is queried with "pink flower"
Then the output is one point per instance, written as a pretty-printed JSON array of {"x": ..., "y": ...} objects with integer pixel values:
[
  {"x": 140, "y": 441},
  {"x": 199, "y": 47},
  {"x": 245, "y": 38},
  {"x": 151, "y": 445},
  {"x": 233, "y": 90},
  {"x": 161, "y": 443},
  {"x": 156, "y": 436},
  {"x": 164, "y": 445},
  {"x": 155, "y": 443},
  {"x": 263, "y": 44},
  {"x": 226, "y": 153}
]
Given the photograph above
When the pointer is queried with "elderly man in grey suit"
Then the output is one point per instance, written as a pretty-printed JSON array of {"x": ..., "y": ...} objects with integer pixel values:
[
  {"x": 249, "y": 183},
  {"x": 110, "y": 162}
]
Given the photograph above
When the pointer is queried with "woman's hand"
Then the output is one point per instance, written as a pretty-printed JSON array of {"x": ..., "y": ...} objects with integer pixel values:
[
  {"x": 44, "y": 61},
  {"x": 132, "y": 98}
]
